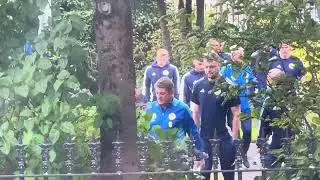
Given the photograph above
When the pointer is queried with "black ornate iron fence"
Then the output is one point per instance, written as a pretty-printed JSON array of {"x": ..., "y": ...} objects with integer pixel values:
[{"x": 183, "y": 161}]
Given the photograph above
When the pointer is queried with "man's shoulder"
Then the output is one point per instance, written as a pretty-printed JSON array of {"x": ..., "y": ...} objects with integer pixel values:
[
  {"x": 151, "y": 106},
  {"x": 273, "y": 59},
  {"x": 171, "y": 66}
]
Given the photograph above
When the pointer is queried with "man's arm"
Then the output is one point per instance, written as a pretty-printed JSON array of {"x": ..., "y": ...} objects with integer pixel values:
[
  {"x": 235, "y": 121},
  {"x": 195, "y": 113},
  {"x": 176, "y": 80},
  {"x": 192, "y": 130},
  {"x": 146, "y": 85}
]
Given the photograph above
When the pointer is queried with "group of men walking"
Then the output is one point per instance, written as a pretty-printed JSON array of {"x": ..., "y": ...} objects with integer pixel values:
[{"x": 203, "y": 110}]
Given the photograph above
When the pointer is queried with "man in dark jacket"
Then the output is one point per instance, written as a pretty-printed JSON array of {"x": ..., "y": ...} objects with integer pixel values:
[
  {"x": 159, "y": 68},
  {"x": 189, "y": 79}
]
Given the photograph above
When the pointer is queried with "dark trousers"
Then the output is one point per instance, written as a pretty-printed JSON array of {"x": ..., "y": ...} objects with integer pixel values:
[
  {"x": 226, "y": 152},
  {"x": 246, "y": 126}
]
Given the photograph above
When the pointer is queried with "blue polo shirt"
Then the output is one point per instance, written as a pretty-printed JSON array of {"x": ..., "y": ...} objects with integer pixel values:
[
  {"x": 212, "y": 109},
  {"x": 240, "y": 77},
  {"x": 292, "y": 66},
  {"x": 176, "y": 115}
]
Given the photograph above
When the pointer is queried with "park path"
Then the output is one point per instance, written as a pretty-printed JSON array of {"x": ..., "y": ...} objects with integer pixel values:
[{"x": 254, "y": 159}]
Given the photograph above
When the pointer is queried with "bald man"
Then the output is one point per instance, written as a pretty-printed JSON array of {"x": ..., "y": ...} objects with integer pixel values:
[{"x": 159, "y": 68}]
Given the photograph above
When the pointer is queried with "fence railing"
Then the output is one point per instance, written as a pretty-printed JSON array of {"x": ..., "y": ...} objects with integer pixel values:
[{"x": 183, "y": 160}]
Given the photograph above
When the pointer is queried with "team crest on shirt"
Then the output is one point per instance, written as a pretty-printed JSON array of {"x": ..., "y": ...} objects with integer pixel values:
[
  {"x": 292, "y": 66},
  {"x": 172, "y": 116},
  {"x": 153, "y": 74},
  {"x": 218, "y": 92},
  {"x": 154, "y": 116},
  {"x": 165, "y": 72}
]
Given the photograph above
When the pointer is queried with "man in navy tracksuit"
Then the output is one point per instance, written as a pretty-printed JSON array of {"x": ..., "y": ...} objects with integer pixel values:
[
  {"x": 168, "y": 112},
  {"x": 189, "y": 79},
  {"x": 161, "y": 67},
  {"x": 239, "y": 74},
  {"x": 283, "y": 65},
  {"x": 209, "y": 112}
]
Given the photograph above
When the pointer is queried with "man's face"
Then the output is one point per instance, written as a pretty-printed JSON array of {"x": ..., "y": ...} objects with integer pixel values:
[
  {"x": 211, "y": 68},
  {"x": 163, "y": 95},
  {"x": 198, "y": 65},
  {"x": 285, "y": 51},
  {"x": 215, "y": 46},
  {"x": 162, "y": 58},
  {"x": 238, "y": 54}
]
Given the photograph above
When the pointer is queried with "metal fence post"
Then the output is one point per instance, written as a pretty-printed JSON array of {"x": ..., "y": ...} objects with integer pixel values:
[
  {"x": 238, "y": 160},
  {"x": 286, "y": 142},
  {"x": 215, "y": 154},
  {"x": 45, "y": 157},
  {"x": 21, "y": 156},
  {"x": 142, "y": 145},
  {"x": 69, "y": 148},
  {"x": 262, "y": 143},
  {"x": 94, "y": 146}
]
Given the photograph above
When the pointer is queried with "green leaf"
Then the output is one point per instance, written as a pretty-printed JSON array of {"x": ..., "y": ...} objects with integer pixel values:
[
  {"x": 41, "y": 47},
  {"x": 27, "y": 137},
  {"x": 4, "y": 93},
  {"x": 26, "y": 112},
  {"x": 72, "y": 83},
  {"x": 52, "y": 155},
  {"x": 22, "y": 90},
  {"x": 42, "y": 85},
  {"x": 57, "y": 84},
  {"x": 41, "y": 4},
  {"x": 5, "y": 148},
  {"x": 109, "y": 122},
  {"x": 18, "y": 76},
  {"x": 29, "y": 123},
  {"x": 31, "y": 58},
  {"x": 77, "y": 55},
  {"x": 67, "y": 127},
  {"x": 54, "y": 135},
  {"x": 44, "y": 129},
  {"x": 58, "y": 43},
  {"x": 63, "y": 74},
  {"x": 64, "y": 108},
  {"x": 10, "y": 137},
  {"x": 4, "y": 126},
  {"x": 44, "y": 63},
  {"x": 6, "y": 81},
  {"x": 45, "y": 108}
]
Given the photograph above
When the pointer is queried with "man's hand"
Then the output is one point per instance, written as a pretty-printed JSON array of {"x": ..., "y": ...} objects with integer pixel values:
[
  {"x": 274, "y": 73},
  {"x": 198, "y": 165}
]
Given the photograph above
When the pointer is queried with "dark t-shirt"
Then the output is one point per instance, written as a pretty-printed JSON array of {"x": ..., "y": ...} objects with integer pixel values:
[{"x": 213, "y": 109}]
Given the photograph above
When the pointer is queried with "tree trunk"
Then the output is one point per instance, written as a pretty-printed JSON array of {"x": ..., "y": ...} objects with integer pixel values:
[
  {"x": 188, "y": 13},
  {"x": 113, "y": 29},
  {"x": 183, "y": 20},
  {"x": 164, "y": 28},
  {"x": 200, "y": 14}
]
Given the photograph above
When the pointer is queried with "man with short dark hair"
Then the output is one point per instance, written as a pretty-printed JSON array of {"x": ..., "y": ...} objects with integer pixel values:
[
  {"x": 284, "y": 65},
  {"x": 189, "y": 79},
  {"x": 209, "y": 110},
  {"x": 159, "y": 68},
  {"x": 216, "y": 46},
  {"x": 169, "y": 112}
]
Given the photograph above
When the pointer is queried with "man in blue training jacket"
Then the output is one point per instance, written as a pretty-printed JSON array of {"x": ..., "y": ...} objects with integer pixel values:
[
  {"x": 239, "y": 74},
  {"x": 169, "y": 112},
  {"x": 159, "y": 68},
  {"x": 283, "y": 65},
  {"x": 189, "y": 79},
  {"x": 209, "y": 109}
]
